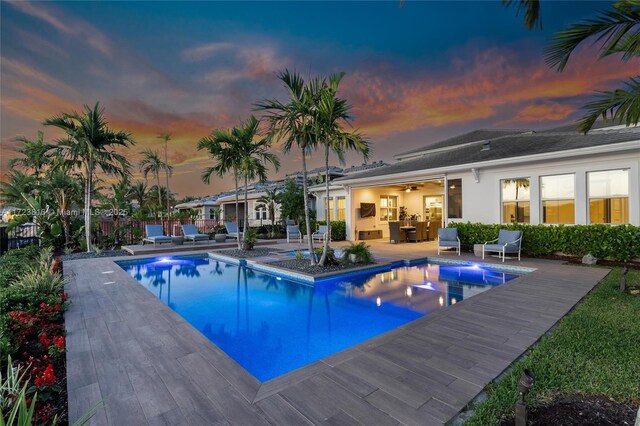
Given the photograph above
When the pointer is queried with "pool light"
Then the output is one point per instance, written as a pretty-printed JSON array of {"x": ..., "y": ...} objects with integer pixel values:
[
  {"x": 378, "y": 301},
  {"x": 279, "y": 278},
  {"x": 409, "y": 291},
  {"x": 441, "y": 301}
]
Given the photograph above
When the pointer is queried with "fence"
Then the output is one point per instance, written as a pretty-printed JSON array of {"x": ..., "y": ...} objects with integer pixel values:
[
  {"x": 18, "y": 237},
  {"x": 131, "y": 231}
]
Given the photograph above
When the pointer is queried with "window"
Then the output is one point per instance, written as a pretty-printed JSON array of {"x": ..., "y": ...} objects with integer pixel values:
[
  {"x": 388, "y": 208},
  {"x": 515, "y": 200},
  {"x": 608, "y": 196},
  {"x": 329, "y": 215},
  {"x": 212, "y": 214},
  {"x": 342, "y": 208},
  {"x": 454, "y": 200},
  {"x": 261, "y": 212},
  {"x": 558, "y": 198}
]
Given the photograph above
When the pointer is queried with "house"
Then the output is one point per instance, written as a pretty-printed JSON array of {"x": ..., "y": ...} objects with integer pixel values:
[{"x": 555, "y": 176}]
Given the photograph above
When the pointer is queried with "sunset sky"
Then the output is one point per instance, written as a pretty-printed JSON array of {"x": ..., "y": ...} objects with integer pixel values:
[{"x": 414, "y": 74}]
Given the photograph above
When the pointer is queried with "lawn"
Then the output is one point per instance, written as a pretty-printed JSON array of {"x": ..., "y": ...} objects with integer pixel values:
[{"x": 595, "y": 350}]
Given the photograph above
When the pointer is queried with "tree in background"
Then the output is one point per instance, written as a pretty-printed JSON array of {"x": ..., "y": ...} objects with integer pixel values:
[
  {"x": 117, "y": 203},
  {"x": 90, "y": 145},
  {"x": 151, "y": 163},
  {"x": 35, "y": 155},
  {"x": 166, "y": 137},
  {"x": 270, "y": 201},
  {"x": 291, "y": 199}
]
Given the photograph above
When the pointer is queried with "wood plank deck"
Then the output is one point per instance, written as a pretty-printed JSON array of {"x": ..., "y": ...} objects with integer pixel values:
[{"x": 128, "y": 349}]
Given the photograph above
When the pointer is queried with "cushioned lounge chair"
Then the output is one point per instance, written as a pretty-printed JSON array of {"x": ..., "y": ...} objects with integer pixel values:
[
  {"x": 321, "y": 233},
  {"x": 448, "y": 238},
  {"x": 293, "y": 231},
  {"x": 232, "y": 230},
  {"x": 155, "y": 234},
  {"x": 507, "y": 242},
  {"x": 190, "y": 232}
]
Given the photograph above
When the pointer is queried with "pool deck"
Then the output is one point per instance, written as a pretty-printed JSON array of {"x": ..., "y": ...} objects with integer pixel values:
[{"x": 149, "y": 366}]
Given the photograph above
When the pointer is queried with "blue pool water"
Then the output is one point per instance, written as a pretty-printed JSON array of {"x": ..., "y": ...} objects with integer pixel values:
[{"x": 272, "y": 325}]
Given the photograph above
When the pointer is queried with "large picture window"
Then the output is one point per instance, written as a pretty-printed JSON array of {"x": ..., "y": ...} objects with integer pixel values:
[
  {"x": 515, "y": 200},
  {"x": 454, "y": 200},
  {"x": 558, "y": 198},
  {"x": 388, "y": 208},
  {"x": 342, "y": 208},
  {"x": 608, "y": 196}
]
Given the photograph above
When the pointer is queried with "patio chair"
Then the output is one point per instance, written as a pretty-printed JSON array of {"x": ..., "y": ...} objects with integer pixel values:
[
  {"x": 448, "y": 238},
  {"x": 507, "y": 242},
  {"x": 321, "y": 233},
  {"x": 232, "y": 230},
  {"x": 155, "y": 234},
  {"x": 190, "y": 232},
  {"x": 293, "y": 231},
  {"x": 419, "y": 234},
  {"x": 394, "y": 232}
]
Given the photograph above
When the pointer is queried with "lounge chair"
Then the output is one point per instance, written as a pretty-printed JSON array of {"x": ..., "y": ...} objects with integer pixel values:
[
  {"x": 321, "y": 234},
  {"x": 155, "y": 234},
  {"x": 293, "y": 231},
  {"x": 190, "y": 232},
  {"x": 232, "y": 230},
  {"x": 448, "y": 238},
  {"x": 507, "y": 242}
]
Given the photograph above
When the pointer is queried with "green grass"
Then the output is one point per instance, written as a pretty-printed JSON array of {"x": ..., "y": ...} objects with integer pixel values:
[{"x": 595, "y": 350}]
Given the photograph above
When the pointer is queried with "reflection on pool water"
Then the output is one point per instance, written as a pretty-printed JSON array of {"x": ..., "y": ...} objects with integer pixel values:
[{"x": 272, "y": 325}]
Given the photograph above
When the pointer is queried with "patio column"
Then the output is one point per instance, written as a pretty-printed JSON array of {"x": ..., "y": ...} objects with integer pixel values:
[{"x": 445, "y": 202}]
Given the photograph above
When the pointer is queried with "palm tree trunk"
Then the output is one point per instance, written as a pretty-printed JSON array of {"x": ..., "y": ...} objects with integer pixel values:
[
  {"x": 87, "y": 204},
  {"x": 246, "y": 209},
  {"x": 166, "y": 162},
  {"x": 235, "y": 177},
  {"x": 327, "y": 214},
  {"x": 307, "y": 216}
]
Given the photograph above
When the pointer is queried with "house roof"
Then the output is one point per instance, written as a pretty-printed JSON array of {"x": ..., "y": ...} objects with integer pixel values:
[
  {"x": 470, "y": 137},
  {"x": 504, "y": 147}
]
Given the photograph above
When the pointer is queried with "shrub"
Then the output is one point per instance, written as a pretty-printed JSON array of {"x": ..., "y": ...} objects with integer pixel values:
[
  {"x": 16, "y": 262},
  {"x": 330, "y": 259},
  {"x": 620, "y": 242},
  {"x": 249, "y": 240},
  {"x": 338, "y": 229},
  {"x": 361, "y": 251}
]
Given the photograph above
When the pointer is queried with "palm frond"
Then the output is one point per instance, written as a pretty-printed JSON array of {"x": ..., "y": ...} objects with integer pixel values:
[
  {"x": 622, "y": 106},
  {"x": 531, "y": 8}
]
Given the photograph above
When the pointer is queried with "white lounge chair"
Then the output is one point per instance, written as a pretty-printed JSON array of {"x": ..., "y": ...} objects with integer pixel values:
[
  {"x": 155, "y": 234},
  {"x": 232, "y": 230},
  {"x": 293, "y": 231},
  {"x": 448, "y": 238},
  {"x": 321, "y": 233},
  {"x": 507, "y": 242},
  {"x": 190, "y": 232}
]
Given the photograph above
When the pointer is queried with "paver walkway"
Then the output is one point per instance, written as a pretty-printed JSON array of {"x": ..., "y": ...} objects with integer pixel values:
[{"x": 128, "y": 349}]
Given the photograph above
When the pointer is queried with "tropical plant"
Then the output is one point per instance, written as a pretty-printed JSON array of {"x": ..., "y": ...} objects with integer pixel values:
[
  {"x": 65, "y": 191},
  {"x": 292, "y": 123},
  {"x": 41, "y": 277},
  {"x": 333, "y": 113},
  {"x": 139, "y": 193},
  {"x": 17, "y": 183},
  {"x": 291, "y": 201},
  {"x": 330, "y": 256},
  {"x": 117, "y": 204},
  {"x": 35, "y": 154},
  {"x": 531, "y": 10},
  {"x": 270, "y": 200},
  {"x": 90, "y": 145},
  {"x": 151, "y": 163},
  {"x": 166, "y": 137},
  {"x": 249, "y": 240},
  {"x": 361, "y": 251}
]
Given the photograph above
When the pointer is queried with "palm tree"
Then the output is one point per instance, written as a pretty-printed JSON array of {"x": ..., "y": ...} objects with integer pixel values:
[
  {"x": 270, "y": 200},
  {"x": 17, "y": 183},
  {"x": 35, "y": 155},
  {"x": 166, "y": 137},
  {"x": 139, "y": 193},
  {"x": 223, "y": 147},
  {"x": 619, "y": 31},
  {"x": 332, "y": 114},
  {"x": 65, "y": 190},
  {"x": 293, "y": 124},
  {"x": 117, "y": 203},
  {"x": 531, "y": 9},
  {"x": 90, "y": 145},
  {"x": 254, "y": 158},
  {"x": 151, "y": 163}
]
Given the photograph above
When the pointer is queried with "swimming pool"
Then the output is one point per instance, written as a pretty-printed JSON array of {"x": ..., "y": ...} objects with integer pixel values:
[{"x": 271, "y": 325}]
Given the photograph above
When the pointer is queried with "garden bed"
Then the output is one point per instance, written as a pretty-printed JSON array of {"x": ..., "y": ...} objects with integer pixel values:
[
  {"x": 303, "y": 266},
  {"x": 593, "y": 353},
  {"x": 246, "y": 254},
  {"x": 94, "y": 254}
]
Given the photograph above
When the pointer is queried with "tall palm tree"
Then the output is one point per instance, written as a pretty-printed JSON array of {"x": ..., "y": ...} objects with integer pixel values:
[
  {"x": 270, "y": 200},
  {"x": 35, "y": 155},
  {"x": 151, "y": 163},
  {"x": 333, "y": 113},
  {"x": 90, "y": 145},
  {"x": 254, "y": 157},
  {"x": 223, "y": 147},
  {"x": 166, "y": 137},
  {"x": 292, "y": 123},
  {"x": 618, "y": 30}
]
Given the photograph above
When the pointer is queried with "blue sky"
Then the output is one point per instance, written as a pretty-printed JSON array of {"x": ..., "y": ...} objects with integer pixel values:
[{"x": 415, "y": 74}]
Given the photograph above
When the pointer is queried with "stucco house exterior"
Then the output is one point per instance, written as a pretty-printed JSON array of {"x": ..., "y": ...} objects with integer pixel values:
[{"x": 555, "y": 176}]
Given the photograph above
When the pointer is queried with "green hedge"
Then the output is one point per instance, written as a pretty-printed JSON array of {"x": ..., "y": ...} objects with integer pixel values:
[
  {"x": 620, "y": 242},
  {"x": 16, "y": 262},
  {"x": 338, "y": 229}
]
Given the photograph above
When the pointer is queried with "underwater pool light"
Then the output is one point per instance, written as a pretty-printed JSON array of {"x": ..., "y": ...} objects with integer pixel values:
[
  {"x": 278, "y": 278},
  {"x": 378, "y": 301},
  {"x": 165, "y": 259}
]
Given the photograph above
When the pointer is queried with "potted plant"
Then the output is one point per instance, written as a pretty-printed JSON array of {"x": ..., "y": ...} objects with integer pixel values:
[
  {"x": 358, "y": 253},
  {"x": 249, "y": 240}
]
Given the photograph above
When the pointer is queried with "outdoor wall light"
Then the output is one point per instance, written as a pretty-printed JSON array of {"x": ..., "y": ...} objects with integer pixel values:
[{"x": 524, "y": 384}]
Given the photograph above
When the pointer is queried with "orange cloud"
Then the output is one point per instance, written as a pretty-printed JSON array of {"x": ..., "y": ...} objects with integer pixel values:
[{"x": 543, "y": 112}]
